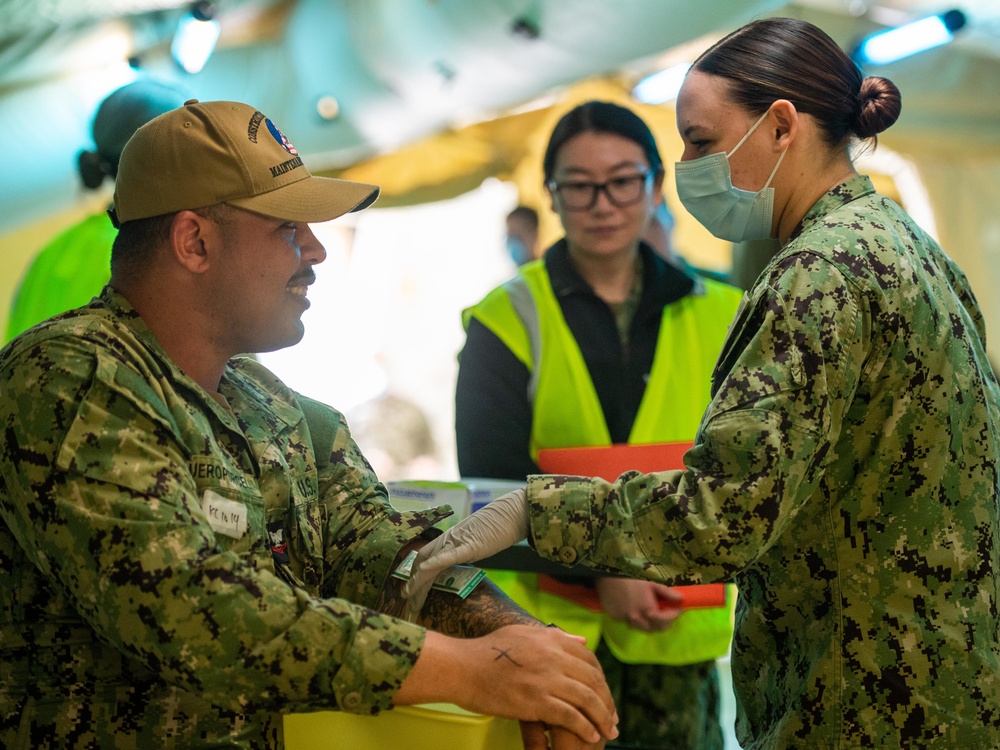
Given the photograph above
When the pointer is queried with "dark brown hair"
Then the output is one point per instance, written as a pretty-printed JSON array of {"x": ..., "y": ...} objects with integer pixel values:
[
  {"x": 784, "y": 58},
  {"x": 138, "y": 240},
  {"x": 526, "y": 214},
  {"x": 601, "y": 117}
]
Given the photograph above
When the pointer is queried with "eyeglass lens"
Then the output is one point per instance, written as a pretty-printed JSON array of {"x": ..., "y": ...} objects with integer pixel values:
[{"x": 620, "y": 191}]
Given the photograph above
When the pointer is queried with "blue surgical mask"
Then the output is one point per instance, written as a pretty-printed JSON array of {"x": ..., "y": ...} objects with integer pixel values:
[
  {"x": 518, "y": 251},
  {"x": 705, "y": 188}
]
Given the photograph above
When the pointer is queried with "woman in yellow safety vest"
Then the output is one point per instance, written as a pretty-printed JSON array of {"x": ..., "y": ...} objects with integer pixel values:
[{"x": 603, "y": 342}]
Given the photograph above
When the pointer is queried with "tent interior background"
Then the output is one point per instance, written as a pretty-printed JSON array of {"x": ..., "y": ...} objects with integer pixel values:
[{"x": 446, "y": 107}]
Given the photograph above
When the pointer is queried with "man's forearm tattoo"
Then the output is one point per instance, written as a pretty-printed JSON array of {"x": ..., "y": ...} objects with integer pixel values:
[{"x": 484, "y": 610}]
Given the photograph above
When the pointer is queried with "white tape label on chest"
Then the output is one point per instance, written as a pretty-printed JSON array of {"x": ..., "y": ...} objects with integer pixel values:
[{"x": 225, "y": 516}]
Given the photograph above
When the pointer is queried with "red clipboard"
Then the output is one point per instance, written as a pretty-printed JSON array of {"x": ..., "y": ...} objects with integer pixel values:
[{"x": 610, "y": 462}]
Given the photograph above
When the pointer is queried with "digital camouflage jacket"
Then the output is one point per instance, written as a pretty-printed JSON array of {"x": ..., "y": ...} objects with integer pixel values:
[
  {"x": 845, "y": 476},
  {"x": 177, "y": 569}
]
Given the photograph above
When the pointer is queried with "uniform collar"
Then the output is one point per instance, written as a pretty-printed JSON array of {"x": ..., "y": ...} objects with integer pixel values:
[
  {"x": 235, "y": 378},
  {"x": 849, "y": 190},
  {"x": 130, "y": 317}
]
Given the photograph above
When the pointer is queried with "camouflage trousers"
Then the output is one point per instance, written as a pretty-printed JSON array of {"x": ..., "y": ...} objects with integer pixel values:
[{"x": 664, "y": 708}]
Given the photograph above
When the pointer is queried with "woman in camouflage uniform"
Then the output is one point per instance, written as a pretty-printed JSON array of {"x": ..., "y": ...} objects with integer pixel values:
[{"x": 845, "y": 472}]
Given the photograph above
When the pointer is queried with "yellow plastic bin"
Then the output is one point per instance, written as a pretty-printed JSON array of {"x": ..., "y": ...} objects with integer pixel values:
[{"x": 434, "y": 726}]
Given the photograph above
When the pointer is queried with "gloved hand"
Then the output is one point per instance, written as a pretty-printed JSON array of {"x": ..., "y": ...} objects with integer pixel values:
[{"x": 492, "y": 528}]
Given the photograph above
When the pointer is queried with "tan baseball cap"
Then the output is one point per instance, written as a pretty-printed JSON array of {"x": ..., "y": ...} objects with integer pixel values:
[{"x": 205, "y": 153}]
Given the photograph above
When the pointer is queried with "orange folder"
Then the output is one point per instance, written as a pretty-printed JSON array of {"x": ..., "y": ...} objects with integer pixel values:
[{"x": 609, "y": 463}]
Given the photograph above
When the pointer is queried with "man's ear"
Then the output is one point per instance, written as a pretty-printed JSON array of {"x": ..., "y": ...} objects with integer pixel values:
[
  {"x": 784, "y": 124},
  {"x": 190, "y": 238}
]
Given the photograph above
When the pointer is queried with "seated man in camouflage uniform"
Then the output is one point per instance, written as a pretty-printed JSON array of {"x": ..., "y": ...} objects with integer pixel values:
[{"x": 189, "y": 549}]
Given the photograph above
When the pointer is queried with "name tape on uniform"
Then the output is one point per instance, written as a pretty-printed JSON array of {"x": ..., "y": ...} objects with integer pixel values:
[{"x": 227, "y": 517}]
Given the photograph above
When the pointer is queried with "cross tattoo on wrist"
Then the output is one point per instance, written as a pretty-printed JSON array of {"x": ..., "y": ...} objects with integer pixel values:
[{"x": 504, "y": 653}]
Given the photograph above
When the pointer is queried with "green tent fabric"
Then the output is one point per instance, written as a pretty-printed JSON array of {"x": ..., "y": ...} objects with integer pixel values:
[{"x": 67, "y": 273}]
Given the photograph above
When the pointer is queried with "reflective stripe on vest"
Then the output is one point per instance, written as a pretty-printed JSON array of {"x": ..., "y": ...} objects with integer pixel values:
[{"x": 525, "y": 314}]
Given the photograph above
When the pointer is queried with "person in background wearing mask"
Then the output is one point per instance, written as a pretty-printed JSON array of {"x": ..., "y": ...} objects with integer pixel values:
[
  {"x": 846, "y": 470},
  {"x": 76, "y": 265},
  {"x": 601, "y": 342},
  {"x": 658, "y": 236},
  {"x": 522, "y": 234},
  {"x": 188, "y": 548}
]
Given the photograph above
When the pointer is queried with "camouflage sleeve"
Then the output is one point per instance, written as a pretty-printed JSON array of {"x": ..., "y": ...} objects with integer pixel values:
[
  {"x": 98, "y": 494},
  {"x": 960, "y": 283},
  {"x": 364, "y": 532},
  {"x": 788, "y": 369}
]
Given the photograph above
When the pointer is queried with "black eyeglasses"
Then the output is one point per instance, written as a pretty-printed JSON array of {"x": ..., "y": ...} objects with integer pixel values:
[{"x": 621, "y": 191}]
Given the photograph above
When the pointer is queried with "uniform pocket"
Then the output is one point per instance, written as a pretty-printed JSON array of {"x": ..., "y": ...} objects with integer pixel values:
[
  {"x": 122, "y": 434},
  {"x": 296, "y": 533},
  {"x": 238, "y": 521},
  {"x": 761, "y": 356},
  {"x": 745, "y": 323}
]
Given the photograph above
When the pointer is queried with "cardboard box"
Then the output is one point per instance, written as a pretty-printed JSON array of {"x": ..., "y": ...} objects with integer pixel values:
[
  {"x": 420, "y": 494},
  {"x": 482, "y": 491}
]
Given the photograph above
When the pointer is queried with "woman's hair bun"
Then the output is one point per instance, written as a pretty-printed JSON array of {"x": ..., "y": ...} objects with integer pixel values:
[{"x": 880, "y": 105}]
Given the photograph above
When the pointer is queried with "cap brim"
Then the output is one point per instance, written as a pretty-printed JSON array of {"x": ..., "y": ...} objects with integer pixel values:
[{"x": 313, "y": 199}]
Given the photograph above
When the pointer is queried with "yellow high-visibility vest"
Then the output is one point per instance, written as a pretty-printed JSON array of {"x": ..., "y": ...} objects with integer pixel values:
[{"x": 525, "y": 315}]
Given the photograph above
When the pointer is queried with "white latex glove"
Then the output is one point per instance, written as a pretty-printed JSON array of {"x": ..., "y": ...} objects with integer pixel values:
[{"x": 494, "y": 527}]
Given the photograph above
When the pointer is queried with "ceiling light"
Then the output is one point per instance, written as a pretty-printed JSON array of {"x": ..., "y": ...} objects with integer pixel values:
[
  {"x": 197, "y": 32},
  {"x": 328, "y": 107},
  {"x": 909, "y": 39},
  {"x": 661, "y": 86}
]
